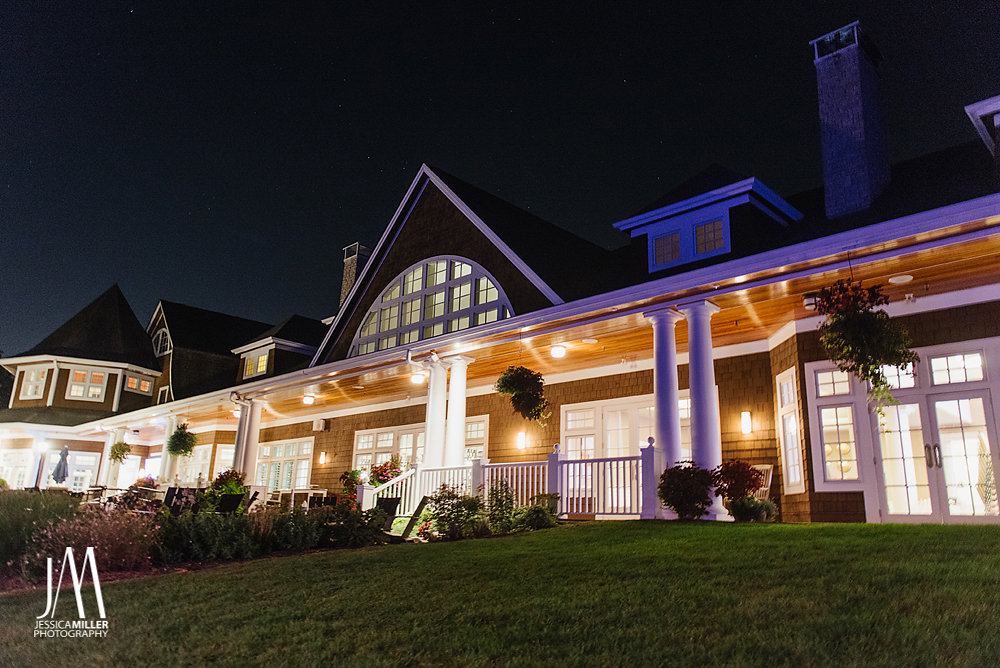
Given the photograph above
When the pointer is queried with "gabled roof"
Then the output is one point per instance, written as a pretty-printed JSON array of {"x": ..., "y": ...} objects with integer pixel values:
[
  {"x": 207, "y": 331},
  {"x": 297, "y": 329},
  {"x": 104, "y": 330},
  {"x": 550, "y": 259},
  {"x": 711, "y": 178}
]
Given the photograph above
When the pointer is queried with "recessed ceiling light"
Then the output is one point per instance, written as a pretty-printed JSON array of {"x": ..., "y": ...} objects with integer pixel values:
[
  {"x": 357, "y": 387},
  {"x": 589, "y": 340},
  {"x": 558, "y": 351},
  {"x": 308, "y": 399},
  {"x": 901, "y": 279},
  {"x": 418, "y": 378}
]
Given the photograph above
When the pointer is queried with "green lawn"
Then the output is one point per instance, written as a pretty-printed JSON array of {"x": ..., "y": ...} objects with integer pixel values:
[{"x": 614, "y": 593}]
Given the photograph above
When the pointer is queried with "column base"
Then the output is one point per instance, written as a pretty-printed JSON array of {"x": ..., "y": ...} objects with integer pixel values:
[{"x": 717, "y": 512}]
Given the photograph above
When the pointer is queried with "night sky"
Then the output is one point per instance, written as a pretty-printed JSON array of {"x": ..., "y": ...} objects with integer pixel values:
[{"x": 222, "y": 154}]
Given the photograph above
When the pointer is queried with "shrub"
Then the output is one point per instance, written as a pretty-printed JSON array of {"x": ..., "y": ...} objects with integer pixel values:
[
  {"x": 684, "y": 489},
  {"x": 136, "y": 497},
  {"x": 227, "y": 482},
  {"x": 3, "y": 484},
  {"x": 22, "y": 513},
  {"x": 550, "y": 501},
  {"x": 121, "y": 540},
  {"x": 350, "y": 480},
  {"x": 455, "y": 514},
  {"x": 750, "y": 509},
  {"x": 736, "y": 479},
  {"x": 203, "y": 537},
  {"x": 533, "y": 517},
  {"x": 354, "y": 528},
  {"x": 500, "y": 508}
]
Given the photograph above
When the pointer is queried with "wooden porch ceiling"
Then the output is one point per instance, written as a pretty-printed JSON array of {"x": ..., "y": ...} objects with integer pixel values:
[{"x": 746, "y": 315}]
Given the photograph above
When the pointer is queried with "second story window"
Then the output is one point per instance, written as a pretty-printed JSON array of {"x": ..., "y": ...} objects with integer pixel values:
[
  {"x": 86, "y": 384},
  {"x": 137, "y": 384},
  {"x": 708, "y": 237},
  {"x": 161, "y": 342},
  {"x": 255, "y": 364},
  {"x": 33, "y": 383}
]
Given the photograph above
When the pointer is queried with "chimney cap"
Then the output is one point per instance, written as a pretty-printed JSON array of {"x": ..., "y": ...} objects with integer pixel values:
[{"x": 841, "y": 38}]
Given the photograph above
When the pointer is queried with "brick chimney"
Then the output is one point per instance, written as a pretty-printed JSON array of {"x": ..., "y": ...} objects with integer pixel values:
[
  {"x": 355, "y": 257},
  {"x": 855, "y": 158}
]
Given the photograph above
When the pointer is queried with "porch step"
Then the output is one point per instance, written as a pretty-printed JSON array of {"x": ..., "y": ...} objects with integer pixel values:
[{"x": 580, "y": 517}]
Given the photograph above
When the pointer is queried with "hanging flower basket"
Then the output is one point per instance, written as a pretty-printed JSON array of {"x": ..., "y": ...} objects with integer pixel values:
[
  {"x": 181, "y": 443},
  {"x": 525, "y": 389},
  {"x": 119, "y": 451},
  {"x": 860, "y": 339}
]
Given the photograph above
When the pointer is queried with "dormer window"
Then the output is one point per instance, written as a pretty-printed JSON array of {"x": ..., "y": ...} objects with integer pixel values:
[
  {"x": 255, "y": 364},
  {"x": 438, "y": 296},
  {"x": 709, "y": 237},
  {"x": 161, "y": 342},
  {"x": 33, "y": 383},
  {"x": 86, "y": 384},
  {"x": 138, "y": 385},
  {"x": 667, "y": 248}
]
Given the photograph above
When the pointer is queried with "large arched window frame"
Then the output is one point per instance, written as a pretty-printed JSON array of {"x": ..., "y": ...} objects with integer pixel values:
[{"x": 436, "y": 296}]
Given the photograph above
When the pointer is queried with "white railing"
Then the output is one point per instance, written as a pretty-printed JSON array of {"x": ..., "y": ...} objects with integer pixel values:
[
  {"x": 610, "y": 486},
  {"x": 459, "y": 477},
  {"x": 401, "y": 486},
  {"x": 525, "y": 479}
]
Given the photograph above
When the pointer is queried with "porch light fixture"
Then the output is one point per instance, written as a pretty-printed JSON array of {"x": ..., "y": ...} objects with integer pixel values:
[
  {"x": 558, "y": 351},
  {"x": 809, "y": 301},
  {"x": 308, "y": 399},
  {"x": 236, "y": 413},
  {"x": 591, "y": 341},
  {"x": 418, "y": 377},
  {"x": 745, "y": 424},
  {"x": 522, "y": 440},
  {"x": 322, "y": 457},
  {"x": 901, "y": 279}
]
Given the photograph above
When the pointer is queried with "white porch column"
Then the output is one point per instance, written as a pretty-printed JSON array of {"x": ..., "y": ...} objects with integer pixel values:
[
  {"x": 706, "y": 430},
  {"x": 251, "y": 438},
  {"x": 435, "y": 421},
  {"x": 667, "y": 427},
  {"x": 454, "y": 444},
  {"x": 108, "y": 473},
  {"x": 168, "y": 463}
]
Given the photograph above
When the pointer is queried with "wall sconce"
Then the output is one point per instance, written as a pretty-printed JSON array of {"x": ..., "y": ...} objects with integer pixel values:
[
  {"x": 558, "y": 351},
  {"x": 322, "y": 457},
  {"x": 308, "y": 399},
  {"x": 522, "y": 440},
  {"x": 809, "y": 301},
  {"x": 746, "y": 426}
]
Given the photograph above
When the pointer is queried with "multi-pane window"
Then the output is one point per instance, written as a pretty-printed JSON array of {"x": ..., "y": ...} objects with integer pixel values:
[
  {"x": 140, "y": 385},
  {"x": 616, "y": 428},
  {"x": 840, "y": 452},
  {"x": 788, "y": 434},
  {"x": 708, "y": 237},
  {"x": 86, "y": 384},
  {"x": 435, "y": 297},
  {"x": 161, "y": 342},
  {"x": 667, "y": 248},
  {"x": 962, "y": 368},
  {"x": 284, "y": 466},
  {"x": 899, "y": 378},
  {"x": 830, "y": 383},
  {"x": 475, "y": 440},
  {"x": 33, "y": 383},
  {"x": 255, "y": 364},
  {"x": 376, "y": 446}
]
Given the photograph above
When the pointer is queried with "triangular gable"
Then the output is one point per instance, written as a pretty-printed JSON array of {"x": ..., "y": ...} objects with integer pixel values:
[{"x": 448, "y": 226}]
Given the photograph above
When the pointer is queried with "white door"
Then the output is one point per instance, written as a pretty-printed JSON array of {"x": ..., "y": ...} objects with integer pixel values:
[{"x": 937, "y": 458}]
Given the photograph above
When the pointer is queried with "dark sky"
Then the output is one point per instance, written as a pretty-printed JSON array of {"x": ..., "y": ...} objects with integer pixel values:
[{"x": 222, "y": 154}]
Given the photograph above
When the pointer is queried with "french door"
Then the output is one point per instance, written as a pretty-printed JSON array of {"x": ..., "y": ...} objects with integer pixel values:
[{"x": 937, "y": 459}]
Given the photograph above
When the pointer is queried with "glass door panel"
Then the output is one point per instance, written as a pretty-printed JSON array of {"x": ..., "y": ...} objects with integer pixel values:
[
  {"x": 906, "y": 483},
  {"x": 965, "y": 454}
]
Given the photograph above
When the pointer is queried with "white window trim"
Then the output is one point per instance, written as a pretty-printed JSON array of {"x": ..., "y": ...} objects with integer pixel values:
[
  {"x": 685, "y": 225},
  {"x": 295, "y": 459},
  {"x": 162, "y": 345},
  {"x": 163, "y": 395},
  {"x": 634, "y": 402},
  {"x": 88, "y": 370},
  {"x": 792, "y": 409},
  {"x": 41, "y": 384},
  {"x": 502, "y": 304},
  {"x": 399, "y": 430},
  {"x": 138, "y": 389},
  {"x": 255, "y": 355}
]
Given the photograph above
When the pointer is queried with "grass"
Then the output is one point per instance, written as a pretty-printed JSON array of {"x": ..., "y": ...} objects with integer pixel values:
[{"x": 621, "y": 593}]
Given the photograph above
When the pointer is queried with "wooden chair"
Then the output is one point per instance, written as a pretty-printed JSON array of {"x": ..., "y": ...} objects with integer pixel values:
[{"x": 765, "y": 489}]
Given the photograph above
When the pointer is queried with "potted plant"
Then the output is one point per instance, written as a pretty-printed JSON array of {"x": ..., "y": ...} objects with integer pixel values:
[
  {"x": 525, "y": 389},
  {"x": 181, "y": 443},
  {"x": 861, "y": 339},
  {"x": 119, "y": 451}
]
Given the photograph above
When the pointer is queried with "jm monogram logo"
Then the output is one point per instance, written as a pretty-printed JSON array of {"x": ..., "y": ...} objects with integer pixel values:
[{"x": 88, "y": 558}]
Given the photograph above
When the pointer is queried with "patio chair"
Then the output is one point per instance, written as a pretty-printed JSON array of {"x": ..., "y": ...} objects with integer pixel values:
[
  {"x": 389, "y": 505},
  {"x": 229, "y": 504},
  {"x": 250, "y": 501},
  {"x": 765, "y": 488}
]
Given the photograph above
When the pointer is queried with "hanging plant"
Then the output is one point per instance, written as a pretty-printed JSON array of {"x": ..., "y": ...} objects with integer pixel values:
[
  {"x": 119, "y": 451},
  {"x": 527, "y": 397},
  {"x": 860, "y": 339},
  {"x": 181, "y": 443}
]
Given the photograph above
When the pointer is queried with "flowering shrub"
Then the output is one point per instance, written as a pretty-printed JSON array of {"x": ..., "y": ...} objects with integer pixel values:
[
  {"x": 386, "y": 471},
  {"x": 684, "y": 489},
  {"x": 350, "y": 480},
  {"x": 230, "y": 482},
  {"x": 121, "y": 540},
  {"x": 456, "y": 515},
  {"x": 735, "y": 480},
  {"x": 23, "y": 513}
]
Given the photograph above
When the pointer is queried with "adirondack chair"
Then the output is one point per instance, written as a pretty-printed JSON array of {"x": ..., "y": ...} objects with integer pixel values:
[{"x": 229, "y": 504}]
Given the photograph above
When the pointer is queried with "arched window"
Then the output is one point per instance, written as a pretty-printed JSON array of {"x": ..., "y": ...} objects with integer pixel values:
[
  {"x": 436, "y": 296},
  {"x": 161, "y": 342}
]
